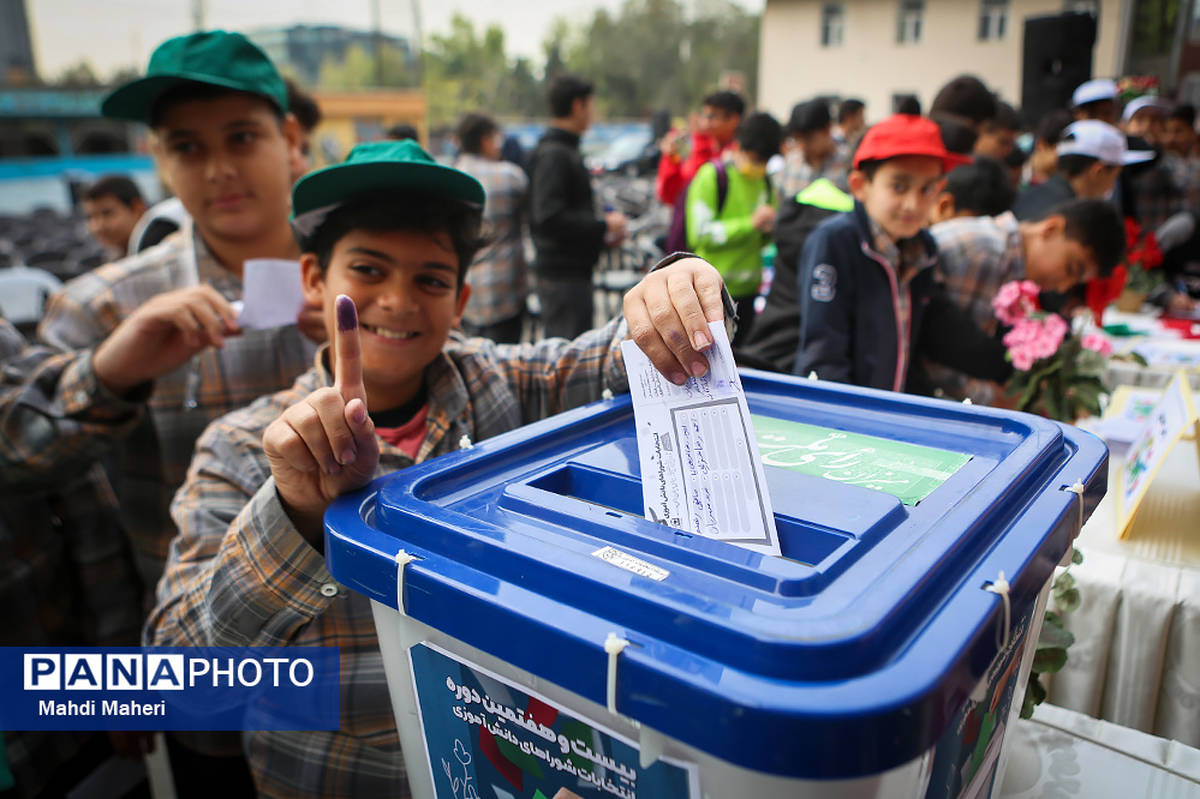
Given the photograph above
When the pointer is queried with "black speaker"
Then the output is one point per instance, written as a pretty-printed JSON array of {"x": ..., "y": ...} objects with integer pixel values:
[{"x": 1057, "y": 57}]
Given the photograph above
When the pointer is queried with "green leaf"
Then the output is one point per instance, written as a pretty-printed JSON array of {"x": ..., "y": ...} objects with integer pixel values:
[
  {"x": 1063, "y": 582},
  {"x": 1055, "y": 637},
  {"x": 1053, "y": 619},
  {"x": 1067, "y": 601},
  {"x": 1049, "y": 660},
  {"x": 1076, "y": 556},
  {"x": 1035, "y": 694}
]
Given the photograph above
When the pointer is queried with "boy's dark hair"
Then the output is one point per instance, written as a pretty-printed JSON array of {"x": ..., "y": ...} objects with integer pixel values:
[
  {"x": 1016, "y": 157},
  {"x": 957, "y": 136},
  {"x": 909, "y": 104},
  {"x": 390, "y": 211},
  {"x": 1051, "y": 128},
  {"x": 1095, "y": 224},
  {"x": 848, "y": 108},
  {"x": 1073, "y": 165},
  {"x": 1185, "y": 113},
  {"x": 1006, "y": 118},
  {"x": 303, "y": 106},
  {"x": 759, "y": 133},
  {"x": 982, "y": 187},
  {"x": 809, "y": 116},
  {"x": 965, "y": 96},
  {"x": 472, "y": 130},
  {"x": 402, "y": 131},
  {"x": 189, "y": 91},
  {"x": 119, "y": 186},
  {"x": 727, "y": 101},
  {"x": 563, "y": 91}
]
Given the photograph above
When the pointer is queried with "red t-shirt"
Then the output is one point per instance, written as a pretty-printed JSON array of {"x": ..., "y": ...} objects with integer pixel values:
[{"x": 408, "y": 436}]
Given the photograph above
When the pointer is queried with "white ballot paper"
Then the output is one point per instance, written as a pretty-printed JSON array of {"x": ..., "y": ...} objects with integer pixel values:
[
  {"x": 271, "y": 293},
  {"x": 701, "y": 471}
]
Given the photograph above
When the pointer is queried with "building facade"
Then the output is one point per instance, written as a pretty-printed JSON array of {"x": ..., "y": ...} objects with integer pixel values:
[
  {"x": 881, "y": 50},
  {"x": 302, "y": 49}
]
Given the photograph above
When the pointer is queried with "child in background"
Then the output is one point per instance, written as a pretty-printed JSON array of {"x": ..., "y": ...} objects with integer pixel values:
[
  {"x": 980, "y": 188},
  {"x": 729, "y": 226},
  {"x": 867, "y": 290}
]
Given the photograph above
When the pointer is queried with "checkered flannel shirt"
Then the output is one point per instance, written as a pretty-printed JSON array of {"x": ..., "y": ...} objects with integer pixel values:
[
  {"x": 240, "y": 574},
  {"x": 498, "y": 276},
  {"x": 976, "y": 256},
  {"x": 66, "y": 574},
  {"x": 797, "y": 174},
  {"x": 154, "y": 431}
]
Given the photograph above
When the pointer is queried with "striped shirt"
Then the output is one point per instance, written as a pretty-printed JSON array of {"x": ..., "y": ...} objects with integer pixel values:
[
  {"x": 498, "y": 274},
  {"x": 153, "y": 431},
  {"x": 240, "y": 574}
]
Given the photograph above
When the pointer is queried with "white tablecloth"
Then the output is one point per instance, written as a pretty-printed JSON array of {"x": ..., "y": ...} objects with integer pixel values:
[
  {"x": 1062, "y": 753},
  {"x": 1136, "y": 657}
]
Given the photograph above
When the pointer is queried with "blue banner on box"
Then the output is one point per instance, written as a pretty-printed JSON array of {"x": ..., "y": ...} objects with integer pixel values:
[
  {"x": 170, "y": 688},
  {"x": 486, "y": 736}
]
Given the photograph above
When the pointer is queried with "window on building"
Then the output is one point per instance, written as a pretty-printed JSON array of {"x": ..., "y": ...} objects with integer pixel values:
[
  {"x": 833, "y": 21},
  {"x": 908, "y": 28},
  {"x": 993, "y": 20},
  {"x": 1194, "y": 28},
  {"x": 1082, "y": 7}
]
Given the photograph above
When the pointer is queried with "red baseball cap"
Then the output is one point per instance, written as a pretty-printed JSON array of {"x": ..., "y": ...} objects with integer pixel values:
[{"x": 906, "y": 134}]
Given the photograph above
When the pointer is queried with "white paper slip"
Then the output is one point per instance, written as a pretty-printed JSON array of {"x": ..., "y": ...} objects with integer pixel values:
[
  {"x": 701, "y": 471},
  {"x": 271, "y": 293}
]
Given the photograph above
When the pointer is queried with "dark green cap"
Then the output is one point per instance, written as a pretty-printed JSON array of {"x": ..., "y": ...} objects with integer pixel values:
[
  {"x": 378, "y": 166},
  {"x": 215, "y": 58}
]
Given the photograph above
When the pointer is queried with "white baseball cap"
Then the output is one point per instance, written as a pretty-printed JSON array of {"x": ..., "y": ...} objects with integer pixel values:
[
  {"x": 1093, "y": 91},
  {"x": 1101, "y": 141},
  {"x": 1139, "y": 103}
]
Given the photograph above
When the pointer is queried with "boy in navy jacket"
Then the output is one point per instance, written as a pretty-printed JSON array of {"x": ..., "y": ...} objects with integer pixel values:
[{"x": 868, "y": 294}]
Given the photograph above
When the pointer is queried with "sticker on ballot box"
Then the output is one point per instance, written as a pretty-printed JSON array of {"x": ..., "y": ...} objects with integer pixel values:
[{"x": 487, "y": 737}]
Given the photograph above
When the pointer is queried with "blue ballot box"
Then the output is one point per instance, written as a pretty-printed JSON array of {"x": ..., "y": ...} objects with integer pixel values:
[{"x": 540, "y": 634}]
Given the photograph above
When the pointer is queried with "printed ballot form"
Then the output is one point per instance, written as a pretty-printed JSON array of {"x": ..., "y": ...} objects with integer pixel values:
[{"x": 701, "y": 470}]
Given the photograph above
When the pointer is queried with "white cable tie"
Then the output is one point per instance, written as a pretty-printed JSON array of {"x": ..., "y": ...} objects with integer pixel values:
[
  {"x": 465, "y": 442},
  {"x": 606, "y": 394},
  {"x": 1077, "y": 490},
  {"x": 967, "y": 401},
  {"x": 614, "y": 645},
  {"x": 812, "y": 375},
  {"x": 1001, "y": 588},
  {"x": 402, "y": 559}
]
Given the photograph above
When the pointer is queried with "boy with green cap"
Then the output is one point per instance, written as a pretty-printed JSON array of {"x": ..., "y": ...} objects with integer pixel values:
[
  {"x": 158, "y": 351},
  {"x": 387, "y": 238}
]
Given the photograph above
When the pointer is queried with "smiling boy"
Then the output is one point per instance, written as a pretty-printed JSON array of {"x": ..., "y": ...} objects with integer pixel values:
[
  {"x": 387, "y": 239},
  {"x": 867, "y": 290}
]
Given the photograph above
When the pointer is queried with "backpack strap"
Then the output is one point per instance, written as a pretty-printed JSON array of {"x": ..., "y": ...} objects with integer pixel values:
[{"x": 722, "y": 183}]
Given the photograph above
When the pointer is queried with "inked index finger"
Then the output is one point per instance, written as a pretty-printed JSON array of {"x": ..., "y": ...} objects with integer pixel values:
[{"x": 347, "y": 352}]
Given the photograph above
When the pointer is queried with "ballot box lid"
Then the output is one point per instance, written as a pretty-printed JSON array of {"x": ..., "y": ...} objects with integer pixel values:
[{"x": 846, "y": 656}]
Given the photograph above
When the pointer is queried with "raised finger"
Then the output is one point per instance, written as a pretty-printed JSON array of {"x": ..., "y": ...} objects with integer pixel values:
[{"x": 347, "y": 367}]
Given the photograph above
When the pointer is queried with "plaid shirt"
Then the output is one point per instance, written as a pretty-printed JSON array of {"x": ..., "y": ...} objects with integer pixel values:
[
  {"x": 66, "y": 574},
  {"x": 798, "y": 174},
  {"x": 240, "y": 574},
  {"x": 498, "y": 275},
  {"x": 1166, "y": 188},
  {"x": 152, "y": 449},
  {"x": 976, "y": 256}
]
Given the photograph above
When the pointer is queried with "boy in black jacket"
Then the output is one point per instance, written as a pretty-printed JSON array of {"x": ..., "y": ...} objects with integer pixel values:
[{"x": 867, "y": 290}]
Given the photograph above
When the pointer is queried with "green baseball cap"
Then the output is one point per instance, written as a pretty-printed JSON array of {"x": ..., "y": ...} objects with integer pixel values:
[
  {"x": 378, "y": 166},
  {"x": 215, "y": 58}
]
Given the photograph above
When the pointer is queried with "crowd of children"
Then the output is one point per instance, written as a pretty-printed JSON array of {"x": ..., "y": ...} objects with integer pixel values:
[{"x": 224, "y": 446}]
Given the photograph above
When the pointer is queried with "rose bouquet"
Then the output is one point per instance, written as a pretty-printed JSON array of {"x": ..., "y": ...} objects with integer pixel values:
[
  {"x": 1057, "y": 376},
  {"x": 1142, "y": 258}
]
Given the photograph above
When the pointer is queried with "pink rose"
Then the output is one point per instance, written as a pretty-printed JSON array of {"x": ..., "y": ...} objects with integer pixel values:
[
  {"x": 1021, "y": 359},
  {"x": 1097, "y": 343},
  {"x": 1015, "y": 301}
]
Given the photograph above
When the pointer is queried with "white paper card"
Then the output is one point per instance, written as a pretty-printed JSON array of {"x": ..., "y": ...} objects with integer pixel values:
[
  {"x": 701, "y": 471},
  {"x": 271, "y": 293}
]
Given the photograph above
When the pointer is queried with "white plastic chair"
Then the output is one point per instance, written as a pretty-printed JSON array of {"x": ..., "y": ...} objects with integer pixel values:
[{"x": 23, "y": 293}]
